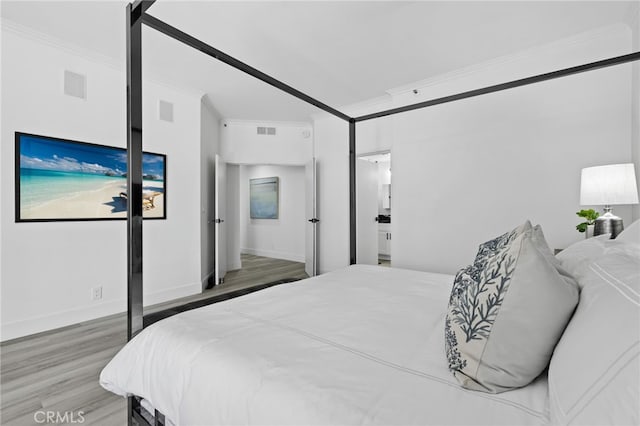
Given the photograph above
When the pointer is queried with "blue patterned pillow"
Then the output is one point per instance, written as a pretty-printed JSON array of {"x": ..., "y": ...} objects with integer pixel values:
[{"x": 506, "y": 313}]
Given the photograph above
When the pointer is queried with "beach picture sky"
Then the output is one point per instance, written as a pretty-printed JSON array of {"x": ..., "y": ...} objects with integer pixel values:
[{"x": 62, "y": 179}]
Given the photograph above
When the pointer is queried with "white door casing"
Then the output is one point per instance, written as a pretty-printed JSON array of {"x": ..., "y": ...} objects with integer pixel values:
[
  {"x": 220, "y": 191},
  {"x": 366, "y": 212},
  {"x": 311, "y": 252}
]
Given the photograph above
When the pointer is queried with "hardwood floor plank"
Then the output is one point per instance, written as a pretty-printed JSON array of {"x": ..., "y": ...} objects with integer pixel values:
[
  {"x": 113, "y": 413},
  {"x": 58, "y": 370}
]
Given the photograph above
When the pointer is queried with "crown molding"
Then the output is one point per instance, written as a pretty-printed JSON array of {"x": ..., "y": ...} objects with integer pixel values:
[
  {"x": 42, "y": 38},
  {"x": 89, "y": 55},
  {"x": 360, "y": 108},
  {"x": 189, "y": 91},
  {"x": 368, "y": 106},
  {"x": 577, "y": 39},
  {"x": 252, "y": 123}
]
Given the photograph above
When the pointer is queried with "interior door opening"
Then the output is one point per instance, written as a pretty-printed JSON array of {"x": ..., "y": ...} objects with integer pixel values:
[
  {"x": 373, "y": 206},
  {"x": 268, "y": 222}
]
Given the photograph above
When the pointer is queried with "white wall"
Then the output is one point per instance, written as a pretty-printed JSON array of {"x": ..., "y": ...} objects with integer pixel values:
[
  {"x": 331, "y": 150},
  {"x": 233, "y": 218},
  {"x": 49, "y": 268},
  {"x": 292, "y": 144},
  {"x": 634, "y": 23},
  {"x": 209, "y": 147},
  {"x": 470, "y": 170},
  {"x": 282, "y": 238},
  {"x": 242, "y": 148},
  {"x": 332, "y": 200}
]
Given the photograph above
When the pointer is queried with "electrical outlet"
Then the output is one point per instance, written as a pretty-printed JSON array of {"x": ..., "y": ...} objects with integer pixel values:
[{"x": 96, "y": 293}]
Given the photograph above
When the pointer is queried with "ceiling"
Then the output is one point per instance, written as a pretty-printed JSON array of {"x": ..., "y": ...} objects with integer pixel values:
[
  {"x": 340, "y": 53},
  {"x": 380, "y": 157}
]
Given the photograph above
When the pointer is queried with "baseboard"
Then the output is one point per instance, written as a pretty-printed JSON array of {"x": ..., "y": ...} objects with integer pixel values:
[
  {"x": 205, "y": 281},
  {"x": 234, "y": 266},
  {"x": 21, "y": 328},
  {"x": 26, "y": 327},
  {"x": 172, "y": 294},
  {"x": 274, "y": 254}
]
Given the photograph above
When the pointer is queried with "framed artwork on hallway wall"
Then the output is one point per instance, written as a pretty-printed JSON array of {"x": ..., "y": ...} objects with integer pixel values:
[{"x": 263, "y": 198}]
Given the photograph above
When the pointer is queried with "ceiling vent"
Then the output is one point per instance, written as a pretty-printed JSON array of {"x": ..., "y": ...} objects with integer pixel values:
[
  {"x": 165, "y": 111},
  {"x": 75, "y": 85},
  {"x": 266, "y": 130}
]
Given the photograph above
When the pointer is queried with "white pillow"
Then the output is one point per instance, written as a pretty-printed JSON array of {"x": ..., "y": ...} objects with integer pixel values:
[
  {"x": 630, "y": 234},
  {"x": 575, "y": 257},
  {"x": 594, "y": 374}
]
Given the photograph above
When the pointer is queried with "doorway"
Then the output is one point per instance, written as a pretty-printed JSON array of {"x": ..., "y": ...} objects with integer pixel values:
[
  {"x": 265, "y": 232},
  {"x": 373, "y": 204}
]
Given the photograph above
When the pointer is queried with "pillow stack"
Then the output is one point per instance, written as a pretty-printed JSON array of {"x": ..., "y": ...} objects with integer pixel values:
[
  {"x": 594, "y": 375},
  {"x": 507, "y": 311}
]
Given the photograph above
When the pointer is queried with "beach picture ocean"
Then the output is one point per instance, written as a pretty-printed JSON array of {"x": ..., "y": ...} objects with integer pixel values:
[{"x": 58, "y": 179}]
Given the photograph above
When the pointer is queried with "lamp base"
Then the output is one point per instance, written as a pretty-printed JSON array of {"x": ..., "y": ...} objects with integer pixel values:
[{"x": 608, "y": 223}]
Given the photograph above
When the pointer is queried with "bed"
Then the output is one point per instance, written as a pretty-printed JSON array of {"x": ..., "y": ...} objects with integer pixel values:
[{"x": 364, "y": 345}]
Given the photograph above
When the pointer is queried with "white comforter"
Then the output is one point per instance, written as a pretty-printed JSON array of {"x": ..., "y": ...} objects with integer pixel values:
[{"x": 363, "y": 345}]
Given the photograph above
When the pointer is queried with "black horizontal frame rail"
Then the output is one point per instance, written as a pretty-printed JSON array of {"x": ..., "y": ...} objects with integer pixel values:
[
  {"x": 185, "y": 38},
  {"x": 509, "y": 85},
  {"x": 137, "y": 12}
]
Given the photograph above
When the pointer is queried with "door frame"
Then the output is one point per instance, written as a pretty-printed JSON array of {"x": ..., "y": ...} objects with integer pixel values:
[
  {"x": 364, "y": 156},
  {"x": 302, "y": 166}
]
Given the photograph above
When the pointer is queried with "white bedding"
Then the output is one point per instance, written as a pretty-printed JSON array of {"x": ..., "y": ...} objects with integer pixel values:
[{"x": 362, "y": 345}]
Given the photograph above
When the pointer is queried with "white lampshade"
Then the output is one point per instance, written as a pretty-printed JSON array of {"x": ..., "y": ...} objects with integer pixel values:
[{"x": 608, "y": 185}]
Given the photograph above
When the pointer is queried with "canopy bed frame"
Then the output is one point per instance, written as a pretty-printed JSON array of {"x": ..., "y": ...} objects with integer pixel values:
[{"x": 136, "y": 16}]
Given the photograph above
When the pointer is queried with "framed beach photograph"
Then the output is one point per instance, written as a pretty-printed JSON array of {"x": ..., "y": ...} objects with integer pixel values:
[
  {"x": 263, "y": 198},
  {"x": 64, "y": 180}
]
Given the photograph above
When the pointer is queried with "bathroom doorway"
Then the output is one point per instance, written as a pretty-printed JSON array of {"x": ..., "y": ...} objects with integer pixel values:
[{"x": 373, "y": 206}]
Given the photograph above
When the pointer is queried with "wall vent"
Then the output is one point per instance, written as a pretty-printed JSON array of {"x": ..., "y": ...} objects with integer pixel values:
[
  {"x": 75, "y": 85},
  {"x": 266, "y": 130},
  {"x": 165, "y": 111}
]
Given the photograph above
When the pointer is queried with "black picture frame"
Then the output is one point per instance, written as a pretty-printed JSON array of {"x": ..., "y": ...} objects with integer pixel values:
[{"x": 55, "y": 175}]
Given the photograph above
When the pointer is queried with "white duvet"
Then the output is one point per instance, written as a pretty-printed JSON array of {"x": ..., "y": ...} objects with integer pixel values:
[{"x": 363, "y": 345}]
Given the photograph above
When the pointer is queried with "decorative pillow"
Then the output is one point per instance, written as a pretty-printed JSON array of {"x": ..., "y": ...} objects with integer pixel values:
[
  {"x": 506, "y": 314},
  {"x": 594, "y": 374},
  {"x": 541, "y": 244}
]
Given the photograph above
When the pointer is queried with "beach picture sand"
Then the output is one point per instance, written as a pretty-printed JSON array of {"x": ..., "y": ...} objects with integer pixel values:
[{"x": 66, "y": 180}]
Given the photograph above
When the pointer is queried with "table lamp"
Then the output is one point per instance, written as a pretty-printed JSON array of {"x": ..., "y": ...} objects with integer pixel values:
[{"x": 608, "y": 185}]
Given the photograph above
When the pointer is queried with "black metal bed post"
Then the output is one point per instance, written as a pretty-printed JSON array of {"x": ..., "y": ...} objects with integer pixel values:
[
  {"x": 134, "y": 178},
  {"x": 134, "y": 170},
  {"x": 352, "y": 192}
]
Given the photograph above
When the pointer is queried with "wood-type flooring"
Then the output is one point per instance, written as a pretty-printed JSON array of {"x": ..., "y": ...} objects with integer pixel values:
[{"x": 57, "y": 371}]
